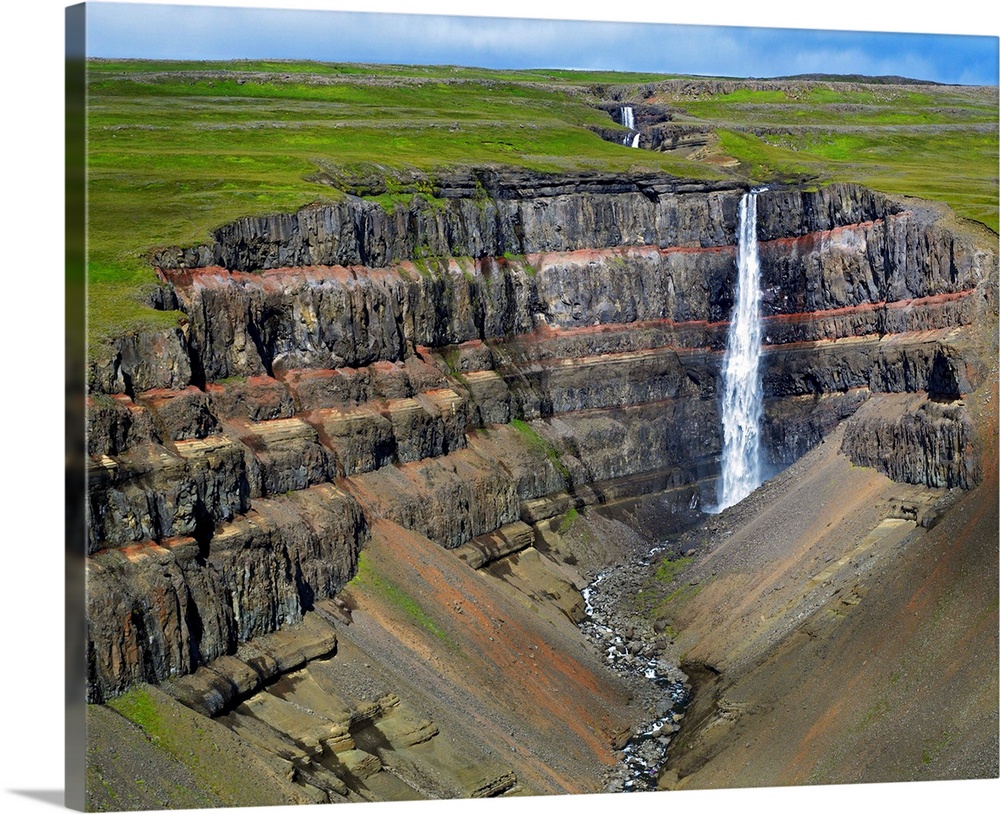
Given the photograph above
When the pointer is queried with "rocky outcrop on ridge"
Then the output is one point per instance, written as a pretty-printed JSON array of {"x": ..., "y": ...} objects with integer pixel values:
[{"x": 933, "y": 443}]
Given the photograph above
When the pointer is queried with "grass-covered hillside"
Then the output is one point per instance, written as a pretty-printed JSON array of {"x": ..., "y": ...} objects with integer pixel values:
[
  {"x": 931, "y": 141},
  {"x": 176, "y": 149}
]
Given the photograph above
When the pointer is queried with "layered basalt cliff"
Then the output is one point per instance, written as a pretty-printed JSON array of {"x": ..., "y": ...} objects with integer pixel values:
[{"x": 484, "y": 357}]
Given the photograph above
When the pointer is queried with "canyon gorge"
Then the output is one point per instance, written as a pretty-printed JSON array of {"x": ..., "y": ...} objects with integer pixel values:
[{"x": 341, "y": 515}]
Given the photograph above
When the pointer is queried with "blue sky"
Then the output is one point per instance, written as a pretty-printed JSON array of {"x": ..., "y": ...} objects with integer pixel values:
[{"x": 218, "y": 32}]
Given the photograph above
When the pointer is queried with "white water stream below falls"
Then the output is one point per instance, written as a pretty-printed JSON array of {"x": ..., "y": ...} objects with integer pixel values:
[{"x": 645, "y": 754}]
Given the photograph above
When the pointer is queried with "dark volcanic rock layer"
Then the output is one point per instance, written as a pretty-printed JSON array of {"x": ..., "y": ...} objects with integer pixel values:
[{"x": 462, "y": 362}]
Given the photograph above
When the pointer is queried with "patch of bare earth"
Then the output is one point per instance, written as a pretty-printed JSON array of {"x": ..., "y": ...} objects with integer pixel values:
[
  {"x": 521, "y": 688},
  {"x": 842, "y": 628}
]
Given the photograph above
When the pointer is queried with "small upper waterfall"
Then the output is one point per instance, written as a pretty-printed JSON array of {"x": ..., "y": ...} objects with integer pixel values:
[
  {"x": 628, "y": 120},
  {"x": 743, "y": 394}
]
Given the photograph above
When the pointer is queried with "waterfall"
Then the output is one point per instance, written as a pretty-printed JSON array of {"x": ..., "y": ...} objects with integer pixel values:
[
  {"x": 628, "y": 120},
  {"x": 743, "y": 395}
]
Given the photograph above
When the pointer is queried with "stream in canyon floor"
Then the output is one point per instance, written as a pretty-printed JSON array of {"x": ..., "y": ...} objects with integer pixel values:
[
  {"x": 741, "y": 409},
  {"x": 645, "y": 753}
]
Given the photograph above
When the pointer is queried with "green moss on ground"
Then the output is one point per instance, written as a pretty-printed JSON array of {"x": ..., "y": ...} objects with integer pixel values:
[
  {"x": 568, "y": 520},
  {"x": 207, "y": 750},
  {"x": 540, "y": 445},
  {"x": 138, "y": 707},
  {"x": 935, "y": 142},
  {"x": 370, "y": 579},
  {"x": 667, "y": 570},
  {"x": 663, "y": 588},
  {"x": 176, "y": 149}
]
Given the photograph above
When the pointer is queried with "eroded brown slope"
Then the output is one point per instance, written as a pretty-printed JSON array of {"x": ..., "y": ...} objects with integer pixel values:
[
  {"x": 424, "y": 680},
  {"x": 534, "y": 693},
  {"x": 852, "y": 644}
]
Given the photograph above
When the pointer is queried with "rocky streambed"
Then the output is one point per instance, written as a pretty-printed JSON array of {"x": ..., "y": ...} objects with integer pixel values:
[{"x": 633, "y": 649}]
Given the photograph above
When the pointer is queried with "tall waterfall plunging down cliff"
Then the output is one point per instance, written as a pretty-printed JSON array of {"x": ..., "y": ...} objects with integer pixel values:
[
  {"x": 743, "y": 395},
  {"x": 628, "y": 119}
]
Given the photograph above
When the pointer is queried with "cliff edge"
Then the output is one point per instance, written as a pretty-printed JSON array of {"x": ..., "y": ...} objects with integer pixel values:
[{"x": 360, "y": 403}]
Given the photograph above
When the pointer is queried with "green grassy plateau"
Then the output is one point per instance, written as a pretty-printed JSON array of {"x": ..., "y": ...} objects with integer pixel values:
[{"x": 176, "y": 149}]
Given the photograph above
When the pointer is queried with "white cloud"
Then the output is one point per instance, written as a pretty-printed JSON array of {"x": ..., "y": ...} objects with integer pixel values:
[{"x": 187, "y": 32}]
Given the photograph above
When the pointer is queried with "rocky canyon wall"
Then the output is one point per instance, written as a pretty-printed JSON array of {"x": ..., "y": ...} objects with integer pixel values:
[{"x": 485, "y": 356}]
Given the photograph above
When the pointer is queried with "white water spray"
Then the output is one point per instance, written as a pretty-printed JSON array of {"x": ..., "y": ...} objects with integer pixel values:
[{"x": 743, "y": 394}]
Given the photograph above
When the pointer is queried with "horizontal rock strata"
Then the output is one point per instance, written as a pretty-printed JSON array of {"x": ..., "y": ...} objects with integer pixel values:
[{"x": 461, "y": 365}]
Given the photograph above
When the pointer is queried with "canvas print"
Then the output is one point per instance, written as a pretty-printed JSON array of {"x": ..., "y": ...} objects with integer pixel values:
[{"x": 479, "y": 407}]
